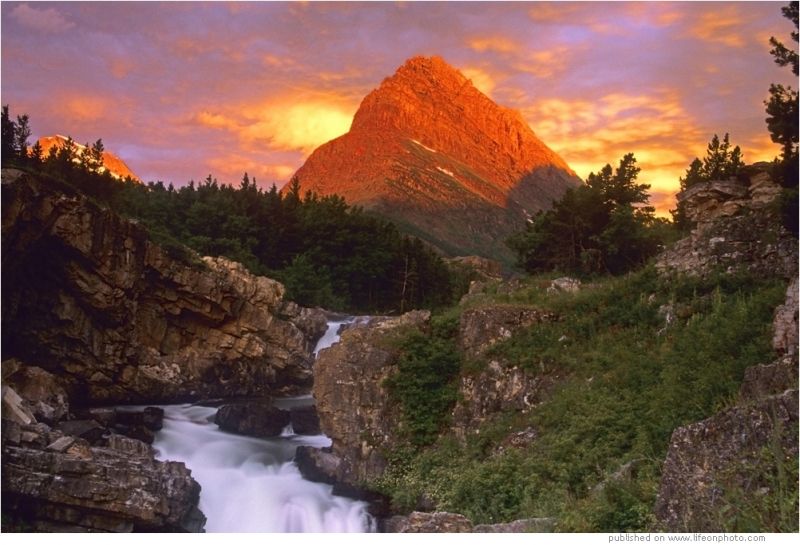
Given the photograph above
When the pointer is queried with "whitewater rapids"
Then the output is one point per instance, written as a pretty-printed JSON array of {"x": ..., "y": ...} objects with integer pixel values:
[{"x": 252, "y": 485}]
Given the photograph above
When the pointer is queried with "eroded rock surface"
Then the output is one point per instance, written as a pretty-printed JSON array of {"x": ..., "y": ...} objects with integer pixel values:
[
  {"x": 256, "y": 418},
  {"x": 727, "y": 453},
  {"x": 352, "y": 403},
  {"x": 785, "y": 326},
  {"x": 67, "y": 474},
  {"x": 737, "y": 229},
  {"x": 481, "y": 328},
  {"x": 118, "y": 319},
  {"x": 731, "y": 458},
  {"x": 60, "y": 483},
  {"x": 427, "y": 523},
  {"x": 496, "y": 389}
]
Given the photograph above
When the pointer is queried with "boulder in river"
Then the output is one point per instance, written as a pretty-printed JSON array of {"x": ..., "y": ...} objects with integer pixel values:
[
  {"x": 257, "y": 418},
  {"x": 305, "y": 420}
]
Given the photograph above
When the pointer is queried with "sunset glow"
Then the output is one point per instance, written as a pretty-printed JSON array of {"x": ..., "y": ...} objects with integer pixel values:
[{"x": 181, "y": 90}]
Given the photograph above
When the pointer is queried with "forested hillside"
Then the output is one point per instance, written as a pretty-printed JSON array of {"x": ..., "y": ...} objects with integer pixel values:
[{"x": 326, "y": 252}]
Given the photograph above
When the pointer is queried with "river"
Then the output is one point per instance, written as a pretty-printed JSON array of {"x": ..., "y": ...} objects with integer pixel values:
[{"x": 252, "y": 485}]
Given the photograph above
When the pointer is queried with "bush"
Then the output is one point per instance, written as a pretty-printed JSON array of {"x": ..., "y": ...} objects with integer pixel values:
[{"x": 424, "y": 385}]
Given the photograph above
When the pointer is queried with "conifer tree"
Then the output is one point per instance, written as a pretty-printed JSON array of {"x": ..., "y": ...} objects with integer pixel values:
[{"x": 782, "y": 106}]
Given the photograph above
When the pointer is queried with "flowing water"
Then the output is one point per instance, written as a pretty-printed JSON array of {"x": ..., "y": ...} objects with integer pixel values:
[{"x": 252, "y": 485}]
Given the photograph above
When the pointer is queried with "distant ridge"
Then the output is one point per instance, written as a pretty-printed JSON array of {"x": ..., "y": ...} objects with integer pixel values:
[{"x": 115, "y": 166}]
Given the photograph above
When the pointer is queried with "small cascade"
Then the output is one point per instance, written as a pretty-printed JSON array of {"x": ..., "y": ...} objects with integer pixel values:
[
  {"x": 332, "y": 334},
  {"x": 252, "y": 485}
]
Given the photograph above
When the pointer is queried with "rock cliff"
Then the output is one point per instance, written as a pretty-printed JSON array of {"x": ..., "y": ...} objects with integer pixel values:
[
  {"x": 352, "y": 403},
  {"x": 87, "y": 296},
  {"x": 67, "y": 475},
  {"x": 716, "y": 467},
  {"x": 431, "y": 152},
  {"x": 736, "y": 229}
]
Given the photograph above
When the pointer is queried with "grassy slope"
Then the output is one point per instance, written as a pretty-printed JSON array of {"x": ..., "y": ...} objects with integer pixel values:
[{"x": 628, "y": 388}]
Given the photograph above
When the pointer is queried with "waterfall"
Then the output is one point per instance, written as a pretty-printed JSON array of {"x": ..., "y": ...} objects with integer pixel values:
[{"x": 252, "y": 485}]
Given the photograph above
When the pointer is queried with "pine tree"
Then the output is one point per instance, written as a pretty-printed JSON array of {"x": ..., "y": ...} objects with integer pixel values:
[
  {"x": 21, "y": 135},
  {"x": 782, "y": 106},
  {"x": 9, "y": 131},
  {"x": 96, "y": 153},
  {"x": 694, "y": 174}
]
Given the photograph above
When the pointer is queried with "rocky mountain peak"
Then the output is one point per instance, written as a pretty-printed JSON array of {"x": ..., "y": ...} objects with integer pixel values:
[
  {"x": 430, "y": 151},
  {"x": 111, "y": 162}
]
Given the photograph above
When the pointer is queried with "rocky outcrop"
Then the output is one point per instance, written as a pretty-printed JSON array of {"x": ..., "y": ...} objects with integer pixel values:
[
  {"x": 764, "y": 380},
  {"x": 305, "y": 420},
  {"x": 319, "y": 465},
  {"x": 57, "y": 482},
  {"x": 78, "y": 474},
  {"x": 785, "y": 326},
  {"x": 723, "y": 460},
  {"x": 258, "y": 418},
  {"x": 427, "y": 523},
  {"x": 44, "y": 398},
  {"x": 117, "y": 318},
  {"x": 352, "y": 402},
  {"x": 481, "y": 328},
  {"x": 564, "y": 284},
  {"x": 431, "y": 152},
  {"x": 737, "y": 228},
  {"x": 496, "y": 389},
  {"x": 732, "y": 457}
]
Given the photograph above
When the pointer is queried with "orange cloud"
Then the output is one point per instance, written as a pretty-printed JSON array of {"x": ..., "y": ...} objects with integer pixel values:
[
  {"x": 480, "y": 79},
  {"x": 85, "y": 107},
  {"x": 551, "y": 12},
  {"x": 547, "y": 63},
  {"x": 760, "y": 148},
  {"x": 297, "y": 125},
  {"x": 655, "y": 127},
  {"x": 497, "y": 44},
  {"x": 214, "y": 121},
  {"x": 229, "y": 168},
  {"x": 284, "y": 123},
  {"x": 719, "y": 27}
]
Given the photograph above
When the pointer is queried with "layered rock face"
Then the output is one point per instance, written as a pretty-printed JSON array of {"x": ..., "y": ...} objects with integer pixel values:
[
  {"x": 498, "y": 387},
  {"x": 357, "y": 413},
  {"x": 737, "y": 455},
  {"x": 432, "y": 153},
  {"x": 67, "y": 475},
  {"x": 88, "y": 297},
  {"x": 352, "y": 404},
  {"x": 737, "y": 229}
]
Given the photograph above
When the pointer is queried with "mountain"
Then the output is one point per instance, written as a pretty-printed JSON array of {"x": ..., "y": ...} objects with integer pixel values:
[
  {"x": 115, "y": 166},
  {"x": 432, "y": 153}
]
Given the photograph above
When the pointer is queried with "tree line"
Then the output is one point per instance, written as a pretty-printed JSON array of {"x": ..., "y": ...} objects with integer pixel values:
[
  {"x": 606, "y": 225},
  {"x": 326, "y": 252}
]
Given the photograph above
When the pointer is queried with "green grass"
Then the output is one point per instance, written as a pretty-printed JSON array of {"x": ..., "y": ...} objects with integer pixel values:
[{"x": 629, "y": 383}]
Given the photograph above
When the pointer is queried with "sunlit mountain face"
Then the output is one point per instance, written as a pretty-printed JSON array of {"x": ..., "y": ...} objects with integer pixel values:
[
  {"x": 433, "y": 153},
  {"x": 181, "y": 90},
  {"x": 111, "y": 163}
]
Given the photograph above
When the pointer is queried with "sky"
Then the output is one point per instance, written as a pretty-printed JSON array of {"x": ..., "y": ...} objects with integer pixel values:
[{"x": 181, "y": 90}]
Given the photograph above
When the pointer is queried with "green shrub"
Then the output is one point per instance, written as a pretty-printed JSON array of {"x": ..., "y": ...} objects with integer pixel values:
[
  {"x": 626, "y": 380},
  {"x": 425, "y": 384}
]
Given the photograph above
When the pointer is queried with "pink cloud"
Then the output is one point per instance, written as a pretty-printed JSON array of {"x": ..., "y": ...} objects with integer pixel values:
[{"x": 46, "y": 20}]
